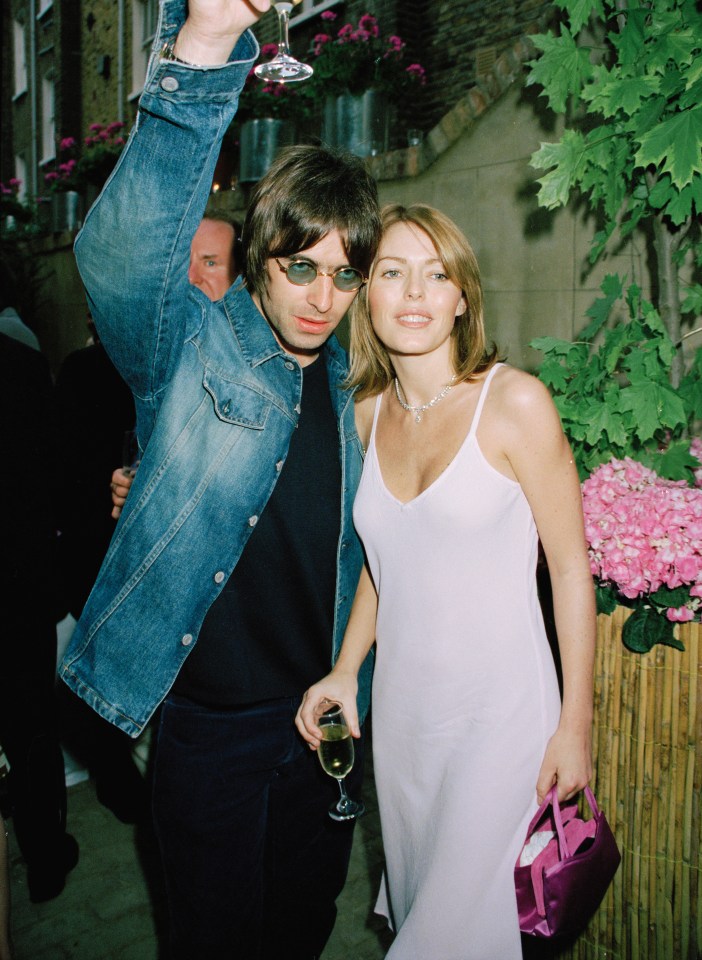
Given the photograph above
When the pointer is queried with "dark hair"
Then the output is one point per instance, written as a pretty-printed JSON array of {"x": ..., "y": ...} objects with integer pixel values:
[{"x": 307, "y": 192}]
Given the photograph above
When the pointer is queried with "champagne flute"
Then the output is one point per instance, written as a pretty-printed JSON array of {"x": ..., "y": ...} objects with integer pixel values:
[
  {"x": 336, "y": 755},
  {"x": 283, "y": 68}
]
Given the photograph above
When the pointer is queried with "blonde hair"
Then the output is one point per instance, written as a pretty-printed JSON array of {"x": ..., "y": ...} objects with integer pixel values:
[{"x": 371, "y": 366}]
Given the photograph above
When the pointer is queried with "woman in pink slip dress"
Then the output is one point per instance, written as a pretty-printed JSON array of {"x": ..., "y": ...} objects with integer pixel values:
[{"x": 466, "y": 469}]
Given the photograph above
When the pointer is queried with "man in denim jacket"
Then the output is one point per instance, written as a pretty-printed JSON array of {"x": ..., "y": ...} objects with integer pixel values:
[{"x": 229, "y": 580}]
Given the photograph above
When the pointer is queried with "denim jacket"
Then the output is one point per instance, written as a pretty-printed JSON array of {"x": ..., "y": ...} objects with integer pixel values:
[{"x": 217, "y": 401}]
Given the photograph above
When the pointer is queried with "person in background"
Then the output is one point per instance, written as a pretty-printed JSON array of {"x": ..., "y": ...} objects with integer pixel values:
[
  {"x": 28, "y": 715},
  {"x": 230, "y": 576},
  {"x": 213, "y": 269},
  {"x": 467, "y": 467},
  {"x": 95, "y": 413}
]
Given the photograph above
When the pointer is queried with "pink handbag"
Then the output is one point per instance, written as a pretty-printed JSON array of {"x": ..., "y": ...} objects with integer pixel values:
[{"x": 560, "y": 889}]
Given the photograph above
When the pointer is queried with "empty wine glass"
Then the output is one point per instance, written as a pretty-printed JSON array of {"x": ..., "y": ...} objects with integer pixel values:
[
  {"x": 336, "y": 755},
  {"x": 283, "y": 68}
]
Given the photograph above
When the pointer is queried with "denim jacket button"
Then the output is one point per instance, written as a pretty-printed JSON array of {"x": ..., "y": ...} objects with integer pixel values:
[
  {"x": 253, "y": 521},
  {"x": 289, "y": 365},
  {"x": 187, "y": 639},
  {"x": 170, "y": 84},
  {"x": 219, "y": 576}
]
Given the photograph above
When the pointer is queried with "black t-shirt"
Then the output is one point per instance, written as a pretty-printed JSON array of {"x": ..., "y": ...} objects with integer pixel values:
[{"x": 269, "y": 632}]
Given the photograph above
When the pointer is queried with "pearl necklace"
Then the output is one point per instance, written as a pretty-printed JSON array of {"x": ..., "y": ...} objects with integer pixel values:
[{"x": 418, "y": 411}]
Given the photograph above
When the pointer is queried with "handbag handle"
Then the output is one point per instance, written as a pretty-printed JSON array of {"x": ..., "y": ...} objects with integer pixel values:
[{"x": 551, "y": 800}]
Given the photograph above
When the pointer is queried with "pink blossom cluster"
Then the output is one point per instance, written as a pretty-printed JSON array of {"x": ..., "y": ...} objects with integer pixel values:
[
  {"x": 644, "y": 532},
  {"x": 104, "y": 133},
  {"x": 11, "y": 187}
]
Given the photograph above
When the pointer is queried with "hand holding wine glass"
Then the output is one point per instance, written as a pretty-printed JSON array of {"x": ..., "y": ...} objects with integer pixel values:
[
  {"x": 283, "y": 68},
  {"x": 336, "y": 755}
]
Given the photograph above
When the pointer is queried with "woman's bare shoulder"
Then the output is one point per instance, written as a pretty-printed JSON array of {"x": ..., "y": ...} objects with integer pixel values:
[{"x": 519, "y": 394}]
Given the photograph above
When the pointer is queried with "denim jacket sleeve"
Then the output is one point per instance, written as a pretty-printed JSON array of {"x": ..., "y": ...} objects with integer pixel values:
[{"x": 133, "y": 251}]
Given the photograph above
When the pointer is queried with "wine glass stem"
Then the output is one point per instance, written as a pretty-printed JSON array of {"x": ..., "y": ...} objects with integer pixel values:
[
  {"x": 345, "y": 799},
  {"x": 283, "y": 43}
]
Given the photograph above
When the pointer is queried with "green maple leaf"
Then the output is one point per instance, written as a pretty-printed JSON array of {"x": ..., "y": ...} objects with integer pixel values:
[
  {"x": 567, "y": 158},
  {"x": 676, "y": 140},
  {"x": 653, "y": 406},
  {"x": 685, "y": 203},
  {"x": 579, "y": 11},
  {"x": 562, "y": 69},
  {"x": 603, "y": 420},
  {"x": 624, "y": 94},
  {"x": 676, "y": 463}
]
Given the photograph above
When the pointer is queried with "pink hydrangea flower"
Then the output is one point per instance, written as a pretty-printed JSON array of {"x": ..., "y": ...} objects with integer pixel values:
[{"x": 644, "y": 532}]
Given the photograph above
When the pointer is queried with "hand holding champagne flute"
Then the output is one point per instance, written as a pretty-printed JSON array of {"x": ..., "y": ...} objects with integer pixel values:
[{"x": 336, "y": 755}]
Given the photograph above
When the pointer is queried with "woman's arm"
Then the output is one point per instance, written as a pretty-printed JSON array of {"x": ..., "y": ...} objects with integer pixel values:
[
  {"x": 542, "y": 461},
  {"x": 341, "y": 684}
]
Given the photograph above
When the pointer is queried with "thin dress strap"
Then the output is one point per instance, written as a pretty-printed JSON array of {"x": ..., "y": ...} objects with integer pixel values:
[
  {"x": 376, "y": 411},
  {"x": 481, "y": 400}
]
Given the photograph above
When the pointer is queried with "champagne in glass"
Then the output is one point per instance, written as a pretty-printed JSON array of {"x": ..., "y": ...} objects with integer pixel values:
[
  {"x": 336, "y": 756},
  {"x": 283, "y": 68}
]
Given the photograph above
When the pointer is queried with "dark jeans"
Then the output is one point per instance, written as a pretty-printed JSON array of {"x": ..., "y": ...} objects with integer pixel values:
[{"x": 253, "y": 863}]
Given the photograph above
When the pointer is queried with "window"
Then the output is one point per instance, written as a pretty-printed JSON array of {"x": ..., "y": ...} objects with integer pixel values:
[
  {"x": 48, "y": 124},
  {"x": 144, "y": 21},
  {"x": 20, "y": 58},
  {"x": 21, "y": 174},
  {"x": 310, "y": 8}
]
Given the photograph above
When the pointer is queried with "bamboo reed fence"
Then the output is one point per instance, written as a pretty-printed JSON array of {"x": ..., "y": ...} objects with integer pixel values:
[{"x": 648, "y": 780}]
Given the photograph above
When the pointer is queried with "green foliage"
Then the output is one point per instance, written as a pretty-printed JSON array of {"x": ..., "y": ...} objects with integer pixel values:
[
  {"x": 636, "y": 150},
  {"x": 612, "y": 387},
  {"x": 645, "y": 628}
]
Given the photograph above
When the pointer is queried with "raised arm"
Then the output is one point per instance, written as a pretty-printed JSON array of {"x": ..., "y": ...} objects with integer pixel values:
[
  {"x": 342, "y": 683},
  {"x": 133, "y": 251},
  {"x": 543, "y": 464}
]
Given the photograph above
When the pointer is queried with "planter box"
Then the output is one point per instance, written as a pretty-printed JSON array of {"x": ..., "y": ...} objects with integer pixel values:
[
  {"x": 648, "y": 779},
  {"x": 260, "y": 142}
]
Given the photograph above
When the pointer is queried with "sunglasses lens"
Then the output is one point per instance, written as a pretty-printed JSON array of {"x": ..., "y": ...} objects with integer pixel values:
[
  {"x": 348, "y": 279},
  {"x": 301, "y": 273}
]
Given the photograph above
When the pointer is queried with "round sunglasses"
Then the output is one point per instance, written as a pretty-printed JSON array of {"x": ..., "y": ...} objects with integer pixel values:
[{"x": 304, "y": 272}]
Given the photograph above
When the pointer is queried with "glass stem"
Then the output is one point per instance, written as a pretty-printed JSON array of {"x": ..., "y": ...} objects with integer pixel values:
[
  {"x": 345, "y": 799},
  {"x": 284, "y": 43}
]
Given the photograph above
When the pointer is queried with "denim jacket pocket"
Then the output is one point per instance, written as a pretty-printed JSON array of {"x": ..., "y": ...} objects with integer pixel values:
[{"x": 236, "y": 402}]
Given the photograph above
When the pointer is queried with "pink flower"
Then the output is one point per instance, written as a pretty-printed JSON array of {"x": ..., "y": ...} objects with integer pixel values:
[
  {"x": 95, "y": 127},
  {"x": 119, "y": 141},
  {"x": 115, "y": 126},
  {"x": 680, "y": 614},
  {"x": 418, "y": 71},
  {"x": 67, "y": 143},
  {"x": 328, "y": 15},
  {"x": 345, "y": 32},
  {"x": 269, "y": 50},
  {"x": 51, "y": 176},
  {"x": 395, "y": 43},
  {"x": 89, "y": 141},
  {"x": 643, "y": 531},
  {"x": 14, "y": 183}
]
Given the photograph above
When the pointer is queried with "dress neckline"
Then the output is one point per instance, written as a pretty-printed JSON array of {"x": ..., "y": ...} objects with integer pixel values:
[{"x": 470, "y": 435}]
